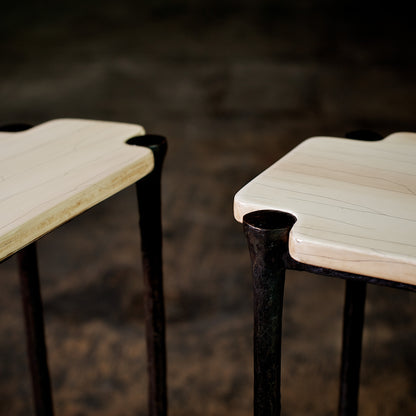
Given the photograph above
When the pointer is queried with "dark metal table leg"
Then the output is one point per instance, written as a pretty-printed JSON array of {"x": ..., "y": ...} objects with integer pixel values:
[
  {"x": 355, "y": 293},
  {"x": 149, "y": 200},
  {"x": 33, "y": 313},
  {"x": 35, "y": 332},
  {"x": 267, "y": 234}
]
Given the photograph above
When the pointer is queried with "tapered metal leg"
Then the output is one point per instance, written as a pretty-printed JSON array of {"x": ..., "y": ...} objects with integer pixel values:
[
  {"x": 33, "y": 314},
  {"x": 149, "y": 200},
  {"x": 267, "y": 234},
  {"x": 355, "y": 293},
  {"x": 35, "y": 332}
]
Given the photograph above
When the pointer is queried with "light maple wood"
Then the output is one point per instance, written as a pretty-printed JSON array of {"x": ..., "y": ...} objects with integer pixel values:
[
  {"x": 355, "y": 204},
  {"x": 58, "y": 169}
]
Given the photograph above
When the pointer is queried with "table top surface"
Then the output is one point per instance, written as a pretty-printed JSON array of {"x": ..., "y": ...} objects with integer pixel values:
[
  {"x": 355, "y": 204},
  {"x": 58, "y": 169}
]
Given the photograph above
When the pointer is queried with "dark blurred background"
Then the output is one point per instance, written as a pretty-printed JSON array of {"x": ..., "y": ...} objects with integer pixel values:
[{"x": 234, "y": 85}]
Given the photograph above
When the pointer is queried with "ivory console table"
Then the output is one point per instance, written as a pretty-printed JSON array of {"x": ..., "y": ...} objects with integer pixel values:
[
  {"x": 337, "y": 207},
  {"x": 55, "y": 171}
]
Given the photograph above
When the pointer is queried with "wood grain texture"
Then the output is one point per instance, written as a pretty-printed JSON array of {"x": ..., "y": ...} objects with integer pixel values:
[
  {"x": 355, "y": 204},
  {"x": 58, "y": 169}
]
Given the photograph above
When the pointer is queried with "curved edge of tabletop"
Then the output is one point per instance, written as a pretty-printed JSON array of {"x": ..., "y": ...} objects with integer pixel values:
[{"x": 397, "y": 269}]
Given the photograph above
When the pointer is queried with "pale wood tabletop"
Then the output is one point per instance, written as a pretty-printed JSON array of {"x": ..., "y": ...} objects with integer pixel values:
[
  {"x": 58, "y": 169},
  {"x": 355, "y": 204}
]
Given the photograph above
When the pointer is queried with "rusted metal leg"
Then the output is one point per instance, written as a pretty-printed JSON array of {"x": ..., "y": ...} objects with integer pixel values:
[
  {"x": 267, "y": 234},
  {"x": 149, "y": 200},
  {"x": 355, "y": 293},
  {"x": 35, "y": 332}
]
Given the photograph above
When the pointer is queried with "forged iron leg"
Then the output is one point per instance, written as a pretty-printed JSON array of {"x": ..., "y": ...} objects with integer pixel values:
[
  {"x": 33, "y": 314},
  {"x": 355, "y": 293},
  {"x": 35, "y": 332},
  {"x": 267, "y": 235},
  {"x": 149, "y": 201}
]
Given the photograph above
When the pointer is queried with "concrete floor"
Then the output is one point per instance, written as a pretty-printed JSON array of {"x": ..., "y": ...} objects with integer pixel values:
[{"x": 234, "y": 86}]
